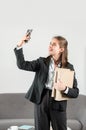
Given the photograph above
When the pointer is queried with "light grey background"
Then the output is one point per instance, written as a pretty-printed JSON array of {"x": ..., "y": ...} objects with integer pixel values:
[{"x": 47, "y": 18}]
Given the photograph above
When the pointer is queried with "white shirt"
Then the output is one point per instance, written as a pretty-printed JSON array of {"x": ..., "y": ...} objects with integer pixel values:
[{"x": 49, "y": 83}]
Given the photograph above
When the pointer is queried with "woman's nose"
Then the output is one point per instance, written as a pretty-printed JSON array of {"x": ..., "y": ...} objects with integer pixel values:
[{"x": 50, "y": 45}]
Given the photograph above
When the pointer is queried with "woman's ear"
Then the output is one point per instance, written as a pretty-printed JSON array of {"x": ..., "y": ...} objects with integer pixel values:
[{"x": 62, "y": 49}]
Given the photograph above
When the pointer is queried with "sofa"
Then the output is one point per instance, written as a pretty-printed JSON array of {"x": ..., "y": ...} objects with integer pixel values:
[{"x": 15, "y": 109}]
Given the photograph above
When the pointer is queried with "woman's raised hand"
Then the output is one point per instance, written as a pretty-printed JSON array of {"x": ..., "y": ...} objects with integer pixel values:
[{"x": 22, "y": 41}]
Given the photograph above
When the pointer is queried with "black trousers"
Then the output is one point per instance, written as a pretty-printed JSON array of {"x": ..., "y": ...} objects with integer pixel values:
[{"x": 48, "y": 111}]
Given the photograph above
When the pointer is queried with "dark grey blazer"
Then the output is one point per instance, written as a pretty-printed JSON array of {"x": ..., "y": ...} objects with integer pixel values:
[{"x": 41, "y": 67}]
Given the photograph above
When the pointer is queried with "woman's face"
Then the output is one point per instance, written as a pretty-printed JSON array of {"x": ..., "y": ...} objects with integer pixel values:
[{"x": 54, "y": 48}]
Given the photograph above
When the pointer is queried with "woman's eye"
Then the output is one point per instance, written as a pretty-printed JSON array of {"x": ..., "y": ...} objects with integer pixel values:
[{"x": 54, "y": 44}]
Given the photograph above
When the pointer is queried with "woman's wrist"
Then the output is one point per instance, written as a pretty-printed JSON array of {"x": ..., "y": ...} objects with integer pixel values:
[
  {"x": 20, "y": 43},
  {"x": 64, "y": 89}
]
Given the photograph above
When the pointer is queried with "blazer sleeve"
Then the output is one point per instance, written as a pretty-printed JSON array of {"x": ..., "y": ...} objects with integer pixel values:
[
  {"x": 73, "y": 92},
  {"x": 25, "y": 65}
]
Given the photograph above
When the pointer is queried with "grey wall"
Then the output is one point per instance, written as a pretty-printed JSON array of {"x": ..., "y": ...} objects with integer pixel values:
[{"x": 47, "y": 18}]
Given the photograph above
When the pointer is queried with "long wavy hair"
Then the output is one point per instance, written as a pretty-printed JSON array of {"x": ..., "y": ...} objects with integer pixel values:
[{"x": 64, "y": 55}]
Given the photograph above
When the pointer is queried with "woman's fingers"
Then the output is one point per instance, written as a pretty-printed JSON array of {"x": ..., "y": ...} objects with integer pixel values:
[{"x": 59, "y": 85}]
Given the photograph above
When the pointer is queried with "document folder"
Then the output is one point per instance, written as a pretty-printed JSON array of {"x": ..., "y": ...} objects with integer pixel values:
[{"x": 66, "y": 76}]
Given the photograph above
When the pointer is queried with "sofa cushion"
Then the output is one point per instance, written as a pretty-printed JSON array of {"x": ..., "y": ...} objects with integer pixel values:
[
  {"x": 74, "y": 124},
  {"x": 14, "y": 105}
]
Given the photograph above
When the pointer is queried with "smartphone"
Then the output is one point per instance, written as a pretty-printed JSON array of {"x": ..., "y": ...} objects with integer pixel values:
[{"x": 28, "y": 33}]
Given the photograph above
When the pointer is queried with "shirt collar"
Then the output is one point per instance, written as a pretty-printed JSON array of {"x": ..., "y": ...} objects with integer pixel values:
[{"x": 52, "y": 61}]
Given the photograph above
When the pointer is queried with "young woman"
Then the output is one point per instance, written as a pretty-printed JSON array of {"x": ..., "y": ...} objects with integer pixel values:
[{"x": 46, "y": 109}]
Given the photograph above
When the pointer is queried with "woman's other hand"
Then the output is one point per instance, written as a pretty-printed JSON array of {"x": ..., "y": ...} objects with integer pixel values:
[{"x": 60, "y": 86}]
